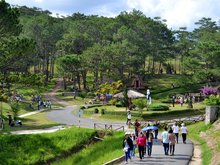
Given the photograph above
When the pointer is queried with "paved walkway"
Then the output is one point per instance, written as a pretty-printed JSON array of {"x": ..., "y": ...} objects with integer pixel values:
[{"x": 183, "y": 154}]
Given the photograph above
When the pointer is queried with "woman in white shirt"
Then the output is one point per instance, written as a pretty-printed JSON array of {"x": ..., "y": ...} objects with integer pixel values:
[
  {"x": 184, "y": 132},
  {"x": 176, "y": 131}
]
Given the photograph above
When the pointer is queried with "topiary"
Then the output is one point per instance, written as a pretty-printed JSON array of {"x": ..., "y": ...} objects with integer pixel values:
[
  {"x": 102, "y": 111},
  {"x": 96, "y": 110},
  {"x": 158, "y": 107}
]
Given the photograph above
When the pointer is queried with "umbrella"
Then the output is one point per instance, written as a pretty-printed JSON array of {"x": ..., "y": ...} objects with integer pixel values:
[
  {"x": 131, "y": 94},
  {"x": 150, "y": 128}
]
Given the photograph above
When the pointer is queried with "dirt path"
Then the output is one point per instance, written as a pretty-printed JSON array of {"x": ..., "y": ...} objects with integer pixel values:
[
  {"x": 196, "y": 158},
  {"x": 52, "y": 95}
]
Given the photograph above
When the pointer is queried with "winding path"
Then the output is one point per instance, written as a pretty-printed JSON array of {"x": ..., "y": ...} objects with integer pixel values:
[{"x": 66, "y": 115}]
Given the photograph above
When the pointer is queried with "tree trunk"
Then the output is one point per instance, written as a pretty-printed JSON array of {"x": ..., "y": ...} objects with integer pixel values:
[
  {"x": 51, "y": 68},
  {"x": 47, "y": 72},
  {"x": 96, "y": 74},
  {"x": 84, "y": 79},
  {"x": 78, "y": 80},
  {"x": 159, "y": 68}
]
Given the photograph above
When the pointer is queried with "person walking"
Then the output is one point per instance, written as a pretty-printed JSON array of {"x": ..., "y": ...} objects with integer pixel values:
[
  {"x": 150, "y": 138},
  {"x": 181, "y": 101},
  {"x": 172, "y": 140},
  {"x": 176, "y": 131},
  {"x": 134, "y": 140},
  {"x": 137, "y": 127},
  {"x": 165, "y": 140},
  {"x": 127, "y": 146},
  {"x": 173, "y": 100},
  {"x": 141, "y": 142},
  {"x": 184, "y": 132},
  {"x": 49, "y": 104},
  {"x": 156, "y": 130},
  {"x": 128, "y": 119}
]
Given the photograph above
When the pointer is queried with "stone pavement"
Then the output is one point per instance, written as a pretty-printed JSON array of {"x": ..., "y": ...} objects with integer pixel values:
[{"x": 182, "y": 156}]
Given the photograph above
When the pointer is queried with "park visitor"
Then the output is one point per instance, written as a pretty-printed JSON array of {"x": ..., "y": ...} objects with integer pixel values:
[
  {"x": 137, "y": 126},
  {"x": 156, "y": 124},
  {"x": 181, "y": 101},
  {"x": 184, "y": 132},
  {"x": 165, "y": 140},
  {"x": 150, "y": 138},
  {"x": 173, "y": 100},
  {"x": 134, "y": 140},
  {"x": 176, "y": 131},
  {"x": 127, "y": 146},
  {"x": 49, "y": 104},
  {"x": 141, "y": 143},
  {"x": 128, "y": 118},
  {"x": 172, "y": 140}
]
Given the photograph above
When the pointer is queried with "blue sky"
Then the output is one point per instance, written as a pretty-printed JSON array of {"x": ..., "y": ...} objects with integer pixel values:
[{"x": 178, "y": 13}]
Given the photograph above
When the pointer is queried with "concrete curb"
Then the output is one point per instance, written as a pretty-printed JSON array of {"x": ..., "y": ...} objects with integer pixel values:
[{"x": 115, "y": 161}]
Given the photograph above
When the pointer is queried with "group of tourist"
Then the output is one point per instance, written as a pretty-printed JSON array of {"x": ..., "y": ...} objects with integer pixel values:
[
  {"x": 143, "y": 140},
  {"x": 40, "y": 102}
]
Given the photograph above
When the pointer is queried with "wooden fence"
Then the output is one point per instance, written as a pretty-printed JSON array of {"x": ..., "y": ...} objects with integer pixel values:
[{"x": 108, "y": 127}]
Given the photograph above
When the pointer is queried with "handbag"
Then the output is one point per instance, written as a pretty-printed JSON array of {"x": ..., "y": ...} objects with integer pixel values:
[{"x": 125, "y": 149}]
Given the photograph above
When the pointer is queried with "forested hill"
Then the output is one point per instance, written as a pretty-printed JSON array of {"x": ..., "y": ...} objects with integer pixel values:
[{"x": 129, "y": 45}]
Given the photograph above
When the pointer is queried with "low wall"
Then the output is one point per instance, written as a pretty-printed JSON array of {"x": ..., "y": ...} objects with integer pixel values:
[{"x": 211, "y": 114}]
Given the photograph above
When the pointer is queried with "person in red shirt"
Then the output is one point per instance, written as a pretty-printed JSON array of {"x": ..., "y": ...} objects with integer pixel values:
[{"x": 141, "y": 142}]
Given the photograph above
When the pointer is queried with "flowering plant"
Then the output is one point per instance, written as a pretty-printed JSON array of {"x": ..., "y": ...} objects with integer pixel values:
[{"x": 209, "y": 91}]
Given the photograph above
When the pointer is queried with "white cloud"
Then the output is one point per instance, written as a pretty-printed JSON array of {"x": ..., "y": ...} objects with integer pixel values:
[
  {"x": 39, "y": 1},
  {"x": 178, "y": 13}
]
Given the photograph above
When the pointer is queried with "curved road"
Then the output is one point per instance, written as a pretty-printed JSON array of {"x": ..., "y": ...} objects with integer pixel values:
[{"x": 66, "y": 115}]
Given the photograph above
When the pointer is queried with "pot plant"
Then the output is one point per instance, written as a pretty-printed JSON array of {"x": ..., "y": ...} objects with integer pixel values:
[{"x": 212, "y": 105}]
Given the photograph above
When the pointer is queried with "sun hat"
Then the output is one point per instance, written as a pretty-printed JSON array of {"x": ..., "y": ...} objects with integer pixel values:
[
  {"x": 182, "y": 124},
  {"x": 127, "y": 133}
]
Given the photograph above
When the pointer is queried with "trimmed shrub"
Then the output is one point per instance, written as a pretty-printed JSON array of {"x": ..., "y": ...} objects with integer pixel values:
[
  {"x": 158, "y": 107},
  {"x": 82, "y": 94},
  {"x": 140, "y": 103},
  {"x": 119, "y": 104},
  {"x": 96, "y": 110},
  {"x": 113, "y": 101},
  {"x": 167, "y": 101},
  {"x": 212, "y": 100},
  {"x": 90, "y": 95},
  {"x": 102, "y": 111}
]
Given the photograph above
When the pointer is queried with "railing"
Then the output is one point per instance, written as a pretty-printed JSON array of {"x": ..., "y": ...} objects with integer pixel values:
[
  {"x": 110, "y": 127},
  {"x": 163, "y": 123}
]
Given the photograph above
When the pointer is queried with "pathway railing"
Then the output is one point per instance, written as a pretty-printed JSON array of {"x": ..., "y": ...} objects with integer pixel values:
[{"x": 110, "y": 127}]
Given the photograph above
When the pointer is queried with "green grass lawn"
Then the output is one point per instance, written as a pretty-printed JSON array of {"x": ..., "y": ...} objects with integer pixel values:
[
  {"x": 194, "y": 134},
  {"x": 39, "y": 148},
  {"x": 37, "y": 121},
  {"x": 71, "y": 100},
  {"x": 97, "y": 154},
  {"x": 120, "y": 113}
]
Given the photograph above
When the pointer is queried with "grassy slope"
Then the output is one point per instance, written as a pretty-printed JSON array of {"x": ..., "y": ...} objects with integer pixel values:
[
  {"x": 29, "y": 149},
  {"x": 98, "y": 153},
  {"x": 194, "y": 134}
]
